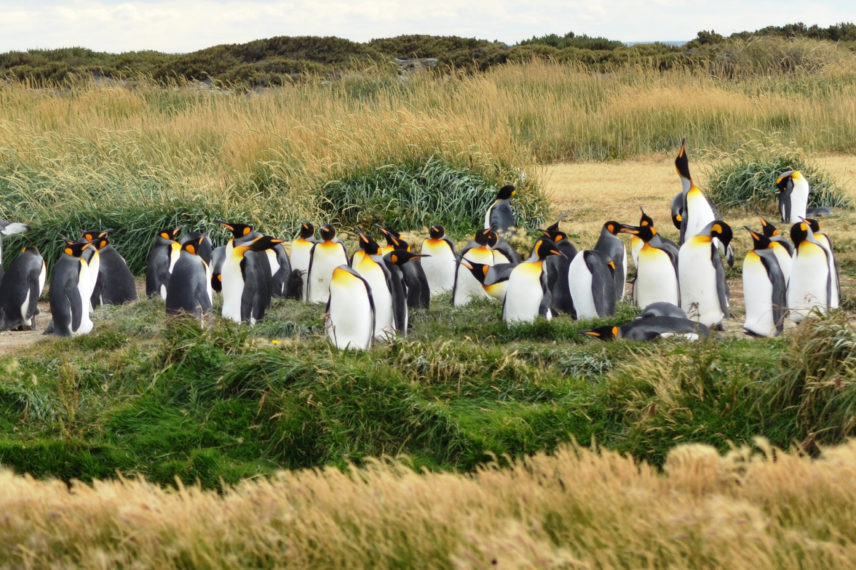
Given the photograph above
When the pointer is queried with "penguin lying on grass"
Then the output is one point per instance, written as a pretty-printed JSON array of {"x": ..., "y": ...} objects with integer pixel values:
[{"x": 657, "y": 320}]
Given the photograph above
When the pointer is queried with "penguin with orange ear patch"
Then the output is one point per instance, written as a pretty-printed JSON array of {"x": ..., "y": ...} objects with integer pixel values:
[
  {"x": 188, "y": 288},
  {"x": 651, "y": 328},
  {"x": 69, "y": 293},
  {"x": 162, "y": 257},
  {"x": 246, "y": 287},
  {"x": 115, "y": 283}
]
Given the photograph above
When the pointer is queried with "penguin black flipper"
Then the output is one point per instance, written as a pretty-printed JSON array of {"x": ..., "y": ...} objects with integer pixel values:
[
  {"x": 33, "y": 305},
  {"x": 75, "y": 302},
  {"x": 280, "y": 280},
  {"x": 785, "y": 191},
  {"x": 780, "y": 289},
  {"x": 547, "y": 298},
  {"x": 721, "y": 283},
  {"x": 602, "y": 283},
  {"x": 418, "y": 293},
  {"x": 395, "y": 281}
]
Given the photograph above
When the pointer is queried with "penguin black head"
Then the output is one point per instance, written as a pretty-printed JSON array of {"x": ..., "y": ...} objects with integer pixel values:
[
  {"x": 401, "y": 256},
  {"x": 767, "y": 228},
  {"x": 190, "y": 247},
  {"x": 646, "y": 220},
  {"x": 478, "y": 270},
  {"x": 813, "y": 224},
  {"x": 553, "y": 233},
  {"x": 613, "y": 227},
  {"x": 393, "y": 238},
  {"x": 682, "y": 163},
  {"x": 606, "y": 332},
  {"x": 785, "y": 181},
  {"x": 645, "y": 233},
  {"x": 307, "y": 230},
  {"x": 94, "y": 235},
  {"x": 722, "y": 231},
  {"x": 436, "y": 232},
  {"x": 169, "y": 234},
  {"x": 492, "y": 237},
  {"x": 482, "y": 237},
  {"x": 238, "y": 230},
  {"x": 506, "y": 192},
  {"x": 759, "y": 241},
  {"x": 546, "y": 247},
  {"x": 369, "y": 245},
  {"x": 327, "y": 232},
  {"x": 75, "y": 249},
  {"x": 800, "y": 232},
  {"x": 101, "y": 242},
  {"x": 261, "y": 243}
]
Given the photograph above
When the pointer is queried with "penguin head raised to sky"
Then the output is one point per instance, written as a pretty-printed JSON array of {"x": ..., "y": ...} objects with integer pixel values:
[
  {"x": 759, "y": 241},
  {"x": 767, "y": 228},
  {"x": 327, "y": 232},
  {"x": 307, "y": 230},
  {"x": 367, "y": 243},
  {"x": 645, "y": 219},
  {"x": 682, "y": 165},
  {"x": 238, "y": 230},
  {"x": 393, "y": 238}
]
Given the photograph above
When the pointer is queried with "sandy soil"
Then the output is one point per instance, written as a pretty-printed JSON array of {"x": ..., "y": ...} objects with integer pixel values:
[{"x": 590, "y": 194}]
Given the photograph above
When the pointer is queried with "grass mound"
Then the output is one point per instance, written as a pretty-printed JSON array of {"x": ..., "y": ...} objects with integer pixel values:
[{"x": 746, "y": 179}]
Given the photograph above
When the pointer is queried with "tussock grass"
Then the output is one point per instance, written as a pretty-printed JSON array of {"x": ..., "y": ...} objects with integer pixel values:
[
  {"x": 751, "y": 507},
  {"x": 746, "y": 178}
]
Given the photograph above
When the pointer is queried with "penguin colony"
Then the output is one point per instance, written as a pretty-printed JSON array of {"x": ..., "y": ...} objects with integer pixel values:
[{"x": 681, "y": 287}]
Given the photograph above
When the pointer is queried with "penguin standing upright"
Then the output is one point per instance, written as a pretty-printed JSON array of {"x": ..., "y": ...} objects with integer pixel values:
[
  {"x": 69, "y": 292},
  {"x": 811, "y": 283},
  {"x": 20, "y": 288},
  {"x": 701, "y": 275},
  {"x": 415, "y": 279},
  {"x": 780, "y": 245},
  {"x": 324, "y": 257},
  {"x": 557, "y": 269},
  {"x": 162, "y": 257},
  {"x": 272, "y": 262},
  {"x": 592, "y": 283},
  {"x": 439, "y": 261},
  {"x": 301, "y": 248},
  {"x": 764, "y": 289},
  {"x": 350, "y": 315},
  {"x": 371, "y": 267},
  {"x": 613, "y": 251},
  {"x": 696, "y": 210},
  {"x": 8, "y": 228},
  {"x": 466, "y": 286},
  {"x": 637, "y": 242},
  {"x": 115, "y": 283},
  {"x": 499, "y": 215},
  {"x": 246, "y": 285},
  {"x": 793, "y": 196},
  {"x": 188, "y": 287},
  {"x": 396, "y": 263},
  {"x": 528, "y": 294},
  {"x": 656, "y": 268},
  {"x": 823, "y": 240}
]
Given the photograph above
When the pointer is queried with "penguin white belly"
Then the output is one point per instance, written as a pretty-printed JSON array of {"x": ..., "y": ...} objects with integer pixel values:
[
  {"x": 468, "y": 287},
  {"x": 524, "y": 294},
  {"x": 799, "y": 200},
  {"x": 807, "y": 287},
  {"x": 84, "y": 288},
  {"x": 327, "y": 256},
  {"x": 439, "y": 267},
  {"x": 24, "y": 306},
  {"x": 94, "y": 268},
  {"x": 835, "y": 298},
  {"x": 699, "y": 213},
  {"x": 621, "y": 285},
  {"x": 232, "y": 289},
  {"x": 784, "y": 259},
  {"x": 698, "y": 286},
  {"x": 350, "y": 318},
  {"x": 758, "y": 295},
  {"x": 655, "y": 278},
  {"x": 579, "y": 281},
  {"x": 300, "y": 260},
  {"x": 375, "y": 277},
  {"x": 635, "y": 247}
]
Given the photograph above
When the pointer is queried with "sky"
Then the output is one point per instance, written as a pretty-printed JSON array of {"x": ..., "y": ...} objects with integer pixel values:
[{"x": 178, "y": 26}]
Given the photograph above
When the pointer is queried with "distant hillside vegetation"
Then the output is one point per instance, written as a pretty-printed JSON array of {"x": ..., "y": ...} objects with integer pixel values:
[{"x": 280, "y": 60}]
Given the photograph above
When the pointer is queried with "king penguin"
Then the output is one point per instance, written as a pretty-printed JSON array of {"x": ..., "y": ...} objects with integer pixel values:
[
  {"x": 162, "y": 258},
  {"x": 246, "y": 285},
  {"x": 793, "y": 196},
  {"x": 415, "y": 279},
  {"x": 557, "y": 269},
  {"x": 301, "y": 247},
  {"x": 656, "y": 268},
  {"x": 115, "y": 283},
  {"x": 764, "y": 289},
  {"x": 20, "y": 288},
  {"x": 810, "y": 286},
  {"x": 466, "y": 287},
  {"x": 69, "y": 293},
  {"x": 823, "y": 239},
  {"x": 324, "y": 257},
  {"x": 439, "y": 263},
  {"x": 371, "y": 267},
  {"x": 493, "y": 278},
  {"x": 8, "y": 228},
  {"x": 591, "y": 277},
  {"x": 350, "y": 315},
  {"x": 528, "y": 294},
  {"x": 701, "y": 275},
  {"x": 652, "y": 328},
  {"x": 188, "y": 290},
  {"x": 613, "y": 251},
  {"x": 397, "y": 262},
  {"x": 696, "y": 210},
  {"x": 499, "y": 215}
]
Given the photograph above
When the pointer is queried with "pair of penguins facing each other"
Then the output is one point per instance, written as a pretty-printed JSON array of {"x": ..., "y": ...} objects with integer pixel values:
[
  {"x": 248, "y": 271},
  {"x": 89, "y": 273}
]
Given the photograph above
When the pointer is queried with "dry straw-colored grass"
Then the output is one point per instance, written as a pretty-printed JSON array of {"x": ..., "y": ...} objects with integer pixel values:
[{"x": 579, "y": 508}]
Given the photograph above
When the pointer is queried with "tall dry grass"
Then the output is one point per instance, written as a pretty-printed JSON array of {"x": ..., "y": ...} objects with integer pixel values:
[{"x": 578, "y": 508}]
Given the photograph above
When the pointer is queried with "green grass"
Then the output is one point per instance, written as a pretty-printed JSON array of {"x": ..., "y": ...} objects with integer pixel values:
[{"x": 172, "y": 402}]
